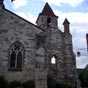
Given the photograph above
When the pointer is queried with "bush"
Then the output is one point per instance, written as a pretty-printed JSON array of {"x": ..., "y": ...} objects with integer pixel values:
[
  {"x": 14, "y": 84},
  {"x": 29, "y": 84},
  {"x": 83, "y": 76},
  {"x": 51, "y": 83},
  {"x": 3, "y": 82},
  {"x": 62, "y": 85}
]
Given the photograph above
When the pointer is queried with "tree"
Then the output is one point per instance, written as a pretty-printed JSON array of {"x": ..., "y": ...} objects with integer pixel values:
[{"x": 83, "y": 76}]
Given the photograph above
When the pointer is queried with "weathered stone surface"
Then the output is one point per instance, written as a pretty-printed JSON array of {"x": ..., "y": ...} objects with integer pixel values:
[
  {"x": 39, "y": 48},
  {"x": 13, "y": 28}
]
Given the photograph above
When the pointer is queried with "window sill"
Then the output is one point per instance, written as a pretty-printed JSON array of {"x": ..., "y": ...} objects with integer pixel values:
[{"x": 14, "y": 69}]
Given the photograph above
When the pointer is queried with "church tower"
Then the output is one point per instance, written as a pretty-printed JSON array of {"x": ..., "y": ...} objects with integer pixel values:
[{"x": 47, "y": 18}]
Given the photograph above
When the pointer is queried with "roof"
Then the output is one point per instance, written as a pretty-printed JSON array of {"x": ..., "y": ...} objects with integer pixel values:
[
  {"x": 66, "y": 21},
  {"x": 47, "y": 11}
]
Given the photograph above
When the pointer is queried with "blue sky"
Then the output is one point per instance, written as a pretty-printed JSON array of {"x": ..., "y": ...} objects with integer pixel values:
[{"x": 76, "y": 11}]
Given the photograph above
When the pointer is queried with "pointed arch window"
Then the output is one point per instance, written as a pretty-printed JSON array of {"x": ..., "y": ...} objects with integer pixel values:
[
  {"x": 16, "y": 54},
  {"x": 53, "y": 60}
]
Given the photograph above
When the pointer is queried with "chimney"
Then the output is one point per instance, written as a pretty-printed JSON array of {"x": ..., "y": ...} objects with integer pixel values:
[{"x": 66, "y": 25}]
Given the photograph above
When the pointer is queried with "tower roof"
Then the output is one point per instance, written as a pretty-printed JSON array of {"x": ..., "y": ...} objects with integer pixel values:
[
  {"x": 66, "y": 21},
  {"x": 47, "y": 11}
]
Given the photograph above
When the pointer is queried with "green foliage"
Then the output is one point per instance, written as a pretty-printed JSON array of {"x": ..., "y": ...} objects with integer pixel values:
[
  {"x": 50, "y": 82},
  {"x": 83, "y": 76},
  {"x": 54, "y": 84},
  {"x": 29, "y": 84},
  {"x": 3, "y": 82},
  {"x": 62, "y": 85},
  {"x": 14, "y": 84}
]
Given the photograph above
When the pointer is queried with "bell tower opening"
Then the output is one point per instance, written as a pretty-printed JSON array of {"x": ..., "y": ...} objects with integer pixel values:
[
  {"x": 48, "y": 21},
  {"x": 47, "y": 17}
]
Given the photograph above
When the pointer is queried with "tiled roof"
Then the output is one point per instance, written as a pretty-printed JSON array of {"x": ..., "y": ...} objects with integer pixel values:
[{"x": 47, "y": 11}]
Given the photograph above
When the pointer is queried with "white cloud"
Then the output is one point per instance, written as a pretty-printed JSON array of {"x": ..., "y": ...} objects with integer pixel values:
[
  {"x": 60, "y": 2},
  {"x": 19, "y": 3},
  {"x": 78, "y": 26},
  {"x": 74, "y": 17},
  {"x": 82, "y": 61},
  {"x": 27, "y": 16}
]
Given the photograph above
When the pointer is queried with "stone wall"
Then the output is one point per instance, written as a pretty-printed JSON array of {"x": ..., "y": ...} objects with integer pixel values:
[
  {"x": 40, "y": 60},
  {"x": 12, "y": 29},
  {"x": 60, "y": 46},
  {"x": 70, "y": 61},
  {"x": 55, "y": 48},
  {"x": 39, "y": 48}
]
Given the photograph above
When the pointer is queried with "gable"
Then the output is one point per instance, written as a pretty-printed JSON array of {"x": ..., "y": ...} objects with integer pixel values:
[{"x": 10, "y": 20}]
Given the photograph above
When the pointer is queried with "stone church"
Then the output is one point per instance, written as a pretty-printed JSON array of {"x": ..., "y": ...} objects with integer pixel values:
[{"x": 27, "y": 50}]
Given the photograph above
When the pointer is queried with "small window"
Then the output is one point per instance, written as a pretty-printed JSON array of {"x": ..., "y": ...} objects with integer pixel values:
[
  {"x": 48, "y": 21},
  {"x": 16, "y": 53},
  {"x": 53, "y": 60}
]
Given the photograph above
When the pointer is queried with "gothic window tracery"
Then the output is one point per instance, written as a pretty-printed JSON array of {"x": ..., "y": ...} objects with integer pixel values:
[{"x": 16, "y": 54}]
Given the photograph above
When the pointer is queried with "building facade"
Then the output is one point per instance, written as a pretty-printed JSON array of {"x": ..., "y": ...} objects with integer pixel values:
[{"x": 27, "y": 50}]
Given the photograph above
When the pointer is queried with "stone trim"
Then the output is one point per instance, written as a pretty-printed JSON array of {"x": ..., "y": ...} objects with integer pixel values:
[{"x": 15, "y": 69}]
